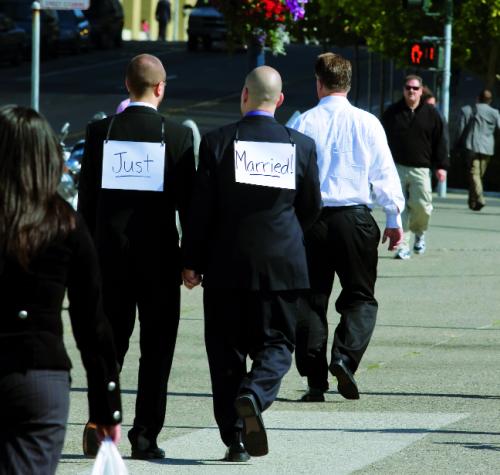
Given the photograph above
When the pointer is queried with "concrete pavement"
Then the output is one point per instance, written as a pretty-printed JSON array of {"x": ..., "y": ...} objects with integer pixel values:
[{"x": 429, "y": 382}]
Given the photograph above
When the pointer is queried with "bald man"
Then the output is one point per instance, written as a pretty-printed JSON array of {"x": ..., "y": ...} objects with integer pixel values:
[
  {"x": 256, "y": 191},
  {"x": 137, "y": 169}
]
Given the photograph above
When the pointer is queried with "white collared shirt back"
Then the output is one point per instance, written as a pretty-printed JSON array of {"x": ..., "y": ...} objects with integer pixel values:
[{"x": 354, "y": 160}]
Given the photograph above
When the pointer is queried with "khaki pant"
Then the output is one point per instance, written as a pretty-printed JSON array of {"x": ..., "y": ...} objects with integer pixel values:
[
  {"x": 417, "y": 189},
  {"x": 476, "y": 165}
]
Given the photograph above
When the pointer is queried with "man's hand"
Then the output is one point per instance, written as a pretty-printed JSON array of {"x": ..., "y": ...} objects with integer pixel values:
[
  {"x": 441, "y": 174},
  {"x": 191, "y": 278},
  {"x": 395, "y": 236},
  {"x": 115, "y": 432}
]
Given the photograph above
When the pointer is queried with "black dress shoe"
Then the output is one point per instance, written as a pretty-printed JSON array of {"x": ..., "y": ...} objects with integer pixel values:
[
  {"x": 254, "y": 433},
  {"x": 90, "y": 440},
  {"x": 144, "y": 447},
  {"x": 313, "y": 395},
  {"x": 149, "y": 454},
  {"x": 236, "y": 452},
  {"x": 346, "y": 384}
]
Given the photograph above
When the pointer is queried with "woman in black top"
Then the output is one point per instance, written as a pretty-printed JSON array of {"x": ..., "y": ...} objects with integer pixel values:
[{"x": 45, "y": 249}]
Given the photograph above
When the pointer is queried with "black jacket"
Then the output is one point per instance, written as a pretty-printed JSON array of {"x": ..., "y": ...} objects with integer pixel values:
[
  {"x": 137, "y": 229},
  {"x": 416, "y": 139},
  {"x": 31, "y": 330},
  {"x": 247, "y": 236}
]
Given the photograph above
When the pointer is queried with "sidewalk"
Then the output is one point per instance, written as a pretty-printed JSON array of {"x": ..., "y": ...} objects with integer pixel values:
[{"x": 429, "y": 382}]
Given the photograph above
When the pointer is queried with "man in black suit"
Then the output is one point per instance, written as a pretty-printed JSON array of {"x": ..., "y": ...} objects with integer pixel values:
[
  {"x": 138, "y": 168},
  {"x": 256, "y": 190}
]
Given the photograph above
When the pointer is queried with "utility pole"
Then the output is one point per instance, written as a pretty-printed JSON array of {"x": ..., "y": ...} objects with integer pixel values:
[
  {"x": 35, "y": 56},
  {"x": 445, "y": 103}
]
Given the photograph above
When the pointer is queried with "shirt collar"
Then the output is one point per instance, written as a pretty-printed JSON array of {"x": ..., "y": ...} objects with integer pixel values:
[
  {"x": 333, "y": 100},
  {"x": 143, "y": 104},
  {"x": 259, "y": 112}
]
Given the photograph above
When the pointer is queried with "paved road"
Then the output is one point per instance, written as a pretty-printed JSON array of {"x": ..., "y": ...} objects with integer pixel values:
[
  {"x": 204, "y": 86},
  {"x": 429, "y": 382}
]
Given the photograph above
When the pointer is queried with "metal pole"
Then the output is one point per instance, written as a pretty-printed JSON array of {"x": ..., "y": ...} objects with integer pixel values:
[
  {"x": 175, "y": 32},
  {"x": 391, "y": 81},
  {"x": 369, "y": 77},
  {"x": 382, "y": 86},
  {"x": 445, "y": 108},
  {"x": 35, "y": 56}
]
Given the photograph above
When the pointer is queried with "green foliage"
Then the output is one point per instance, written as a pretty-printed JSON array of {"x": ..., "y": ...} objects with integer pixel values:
[{"x": 388, "y": 28}]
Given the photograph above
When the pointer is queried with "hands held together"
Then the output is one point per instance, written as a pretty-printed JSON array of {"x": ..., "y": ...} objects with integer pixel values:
[{"x": 190, "y": 278}]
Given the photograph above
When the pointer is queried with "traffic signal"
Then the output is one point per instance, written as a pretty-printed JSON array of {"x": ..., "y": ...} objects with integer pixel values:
[{"x": 426, "y": 54}]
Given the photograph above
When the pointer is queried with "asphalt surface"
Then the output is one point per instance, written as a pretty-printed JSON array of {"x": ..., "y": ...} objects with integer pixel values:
[{"x": 429, "y": 381}]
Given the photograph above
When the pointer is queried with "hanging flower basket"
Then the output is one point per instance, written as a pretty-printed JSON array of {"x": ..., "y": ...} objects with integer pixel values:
[{"x": 261, "y": 22}]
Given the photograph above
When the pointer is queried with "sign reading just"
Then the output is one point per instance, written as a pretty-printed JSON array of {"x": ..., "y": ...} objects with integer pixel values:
[
  {"x": 265, "y": 164},
  {"x": 133, "y": 165}
]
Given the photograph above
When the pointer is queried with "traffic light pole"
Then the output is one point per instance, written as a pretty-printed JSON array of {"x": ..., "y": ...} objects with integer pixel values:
[
  {"x": 445, "y": 103},
  {"x": 35, "y": 56}
]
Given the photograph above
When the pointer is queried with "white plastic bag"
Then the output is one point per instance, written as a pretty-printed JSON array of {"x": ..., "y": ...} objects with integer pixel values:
[{"x": 109, "y": 460}]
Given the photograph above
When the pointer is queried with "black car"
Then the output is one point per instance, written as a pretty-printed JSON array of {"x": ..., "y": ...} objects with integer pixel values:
[
  {"x": 73, "y": 30},
  {"x": 106, "y": 23},
  {"x": 12, "y": 41},
  {"x": 20, "y": 12},
  {"x": 206, "y": 25}
]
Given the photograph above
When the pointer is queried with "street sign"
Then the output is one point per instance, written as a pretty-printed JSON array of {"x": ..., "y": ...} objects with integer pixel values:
[{"x": 65, "y": 4}]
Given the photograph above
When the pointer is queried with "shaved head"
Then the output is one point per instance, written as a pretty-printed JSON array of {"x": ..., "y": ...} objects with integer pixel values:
[
  {"x": 264, "y": 86},
  {"x": 144, "y": 72}
]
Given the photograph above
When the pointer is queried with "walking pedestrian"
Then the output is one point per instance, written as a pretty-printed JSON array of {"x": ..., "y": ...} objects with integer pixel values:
[
  {"x": 356, "y": 171},
  {"x": 162, "y": 15},
  {"x": 256, "y": 190},
  {"x": 137, "y": 169},
  {"x": 476, "y": 136},
  {"x": 45, "y": 249},
  {"x": 417, "y": 140}
]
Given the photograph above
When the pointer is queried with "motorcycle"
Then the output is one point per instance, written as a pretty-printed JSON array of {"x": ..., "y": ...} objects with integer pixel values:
[{"x": 68, "y": 187}]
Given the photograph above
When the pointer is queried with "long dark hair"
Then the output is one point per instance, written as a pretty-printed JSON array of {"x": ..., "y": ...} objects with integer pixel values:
[{"x": 31, "y": 163}]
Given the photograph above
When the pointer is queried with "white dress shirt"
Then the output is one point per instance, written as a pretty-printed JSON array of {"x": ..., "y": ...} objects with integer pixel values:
[
  {"x": 144, "y": 104},
  {"x": 354, "y": 160}
]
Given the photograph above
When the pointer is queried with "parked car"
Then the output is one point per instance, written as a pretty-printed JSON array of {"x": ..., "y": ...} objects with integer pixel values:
[
  {"x": 12, "y": 41},
  {"x": 20, "y": 12},
  {"x": 206, "y": 24},
  {"x": 73, "y": 30},
  {"x": 106, "y": 23}
]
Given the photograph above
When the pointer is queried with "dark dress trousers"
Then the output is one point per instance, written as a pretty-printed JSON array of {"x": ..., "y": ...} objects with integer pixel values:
[
  {"x": 247, "y": 241},
  {"x": 138, "y": 245},
  {"x": 34, "y": 365}
]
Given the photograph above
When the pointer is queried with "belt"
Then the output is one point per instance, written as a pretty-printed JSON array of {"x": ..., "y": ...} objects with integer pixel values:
[{"x": 336, "y": 209}]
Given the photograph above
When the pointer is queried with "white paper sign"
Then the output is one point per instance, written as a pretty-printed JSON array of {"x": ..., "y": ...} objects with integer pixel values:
[
  {"x": 133, "y": 165},
  {"x": 265, "y": 164},
  {"x": 64, "y": 4}
]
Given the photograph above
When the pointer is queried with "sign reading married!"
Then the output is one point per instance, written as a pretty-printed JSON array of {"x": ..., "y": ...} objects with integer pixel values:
[
  {"x": 133, "y": 165},
  {"x": 265, "y": 164}
]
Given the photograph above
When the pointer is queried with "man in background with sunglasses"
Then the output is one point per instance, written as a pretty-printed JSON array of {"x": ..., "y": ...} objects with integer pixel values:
[{"x": 417, "y": 140}]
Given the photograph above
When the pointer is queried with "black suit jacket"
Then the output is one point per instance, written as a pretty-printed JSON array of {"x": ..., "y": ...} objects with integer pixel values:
[
  {"x": 135, "y": 231},
  {"x": 246, "y": 236},
  {"x": 31, "y": 330}
]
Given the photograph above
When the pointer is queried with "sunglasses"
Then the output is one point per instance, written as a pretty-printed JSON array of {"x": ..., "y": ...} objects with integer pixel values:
[{"x": 412, "y": 88}]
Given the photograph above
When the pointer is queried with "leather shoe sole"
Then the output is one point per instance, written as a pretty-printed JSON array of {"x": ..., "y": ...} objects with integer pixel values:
[
  {"x": 346, "y": 384},
  {"x": 254, "y": 433},
  {"x": 90, "y": 440},
  {"x": 149, "y": 454}
]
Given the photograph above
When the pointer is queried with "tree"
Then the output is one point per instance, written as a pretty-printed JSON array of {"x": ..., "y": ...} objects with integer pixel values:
[
  {"x": 388, "y": 28},
  {"x": 477, "y": 38}
]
